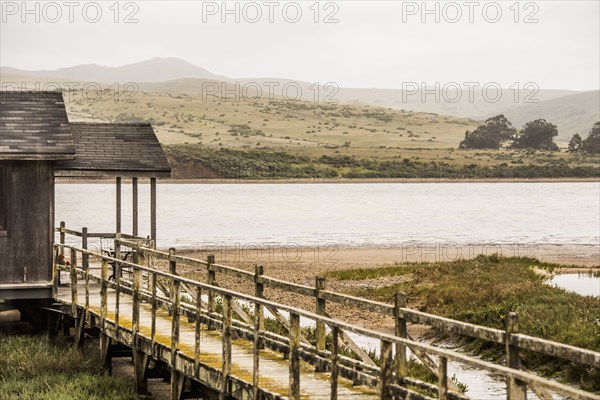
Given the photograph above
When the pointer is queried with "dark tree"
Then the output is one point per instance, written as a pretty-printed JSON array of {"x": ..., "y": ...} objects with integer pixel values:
[
  {"x": 575, "y": 144},
  {"x": 537, "y": 135},
  {"x": 492, "y": 135},
  {"x": 591, "y": 144}
]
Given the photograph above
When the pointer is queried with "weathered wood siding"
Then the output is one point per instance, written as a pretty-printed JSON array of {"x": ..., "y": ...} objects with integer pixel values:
[{"x": 26, "y": 245}]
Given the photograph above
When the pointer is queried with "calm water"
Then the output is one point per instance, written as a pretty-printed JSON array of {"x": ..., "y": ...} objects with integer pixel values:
[
  {"x": 193, "y": 215},
  {"x": 584, "y": 284}
]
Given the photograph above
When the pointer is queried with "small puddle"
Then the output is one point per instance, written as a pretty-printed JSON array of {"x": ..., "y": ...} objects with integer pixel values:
[{"x": 583, "y": 283}]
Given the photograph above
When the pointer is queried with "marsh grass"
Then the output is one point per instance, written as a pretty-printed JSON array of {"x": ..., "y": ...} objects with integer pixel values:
[
  {"x": 483, "y": 291},
  {"x": 33, "y": 368}
]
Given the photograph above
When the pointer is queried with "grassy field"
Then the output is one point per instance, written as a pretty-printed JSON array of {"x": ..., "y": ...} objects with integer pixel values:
[
  {"x": 33, "y": 368},
  {"x": 345, "y": 140},
  {"x": 482, "y": 291},
  {"x": 341, "y": 140}
]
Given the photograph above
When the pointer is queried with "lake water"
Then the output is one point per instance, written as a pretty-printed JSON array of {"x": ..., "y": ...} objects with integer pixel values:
[{"x": 380, "y": 214}]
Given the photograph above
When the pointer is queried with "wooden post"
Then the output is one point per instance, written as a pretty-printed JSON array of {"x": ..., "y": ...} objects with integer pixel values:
[
  {"x": 211, "y": 295},
  {"x": 86, "y": 268},
  {"x": 334, "y": 362},
  {"x": 443, "y": 379},
  {"x": 401, "y": 331},
  {"x": 515, "y": 389},
  {"x": 140, "y": 359},
  {"x": 386, "y": 370},
  {"x": 153, "y": 209},
  {"x": 73, "y": 274},
  {"x": 61, "y": 255},
  {"x": 134, "y": 213},
  {"x": 226, "y": 366},
  {"x": 117, "y": 280},
  {"x": 198, "y": 332},
  {"x": 134, "y": 206},
  {"x": 175, "y": 302},
  {"x": 154, "y": 306},
  {"x": 118, "y": 205},
  {"x": 104, "y": 338},
  {"x": 135, "y": 312},
  {"x": 321, "y": 310},
  {"x": 294, "y": 357},
  {"x": 259, "y": 289}
]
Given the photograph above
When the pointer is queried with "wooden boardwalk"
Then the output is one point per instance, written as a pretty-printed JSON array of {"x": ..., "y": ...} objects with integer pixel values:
[
  {"x": 215, "y": 343},
  {"x": 274, "y": 369}
]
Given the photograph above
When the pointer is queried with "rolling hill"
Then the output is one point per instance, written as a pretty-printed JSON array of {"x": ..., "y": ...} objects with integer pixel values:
[{"x": 572, "y": 112}]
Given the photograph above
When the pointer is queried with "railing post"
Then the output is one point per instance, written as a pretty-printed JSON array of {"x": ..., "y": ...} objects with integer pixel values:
[
  {"x": 335, "y": 346},
  {"x": 401, "y": 360},
  {"x": 443, "y": 379},
  {"x": 259, "y": 291},
  {"x": 386, "y": 370},
  {"x": 117, "y": 275},
  {"x": 320, "y": 310},
  {"x": 61, "y": 255},
  {"x": 154, "y": 306},
  {"x": 226, "y": 366},
  {"x": 175, "y": 301},
  {"x": 135, "y": 313},
  {"x": 515, "y": 389},
  {"x": 73, "y": 274},
  {"x": 294, "y": 356},
  {"x": 198, "y": 332},
  {"x": 86, "y": 268},
  {"x": 211, "y": 296},
  {"x": 104, "y": 338},
  {"x": 258, "y": 327}
]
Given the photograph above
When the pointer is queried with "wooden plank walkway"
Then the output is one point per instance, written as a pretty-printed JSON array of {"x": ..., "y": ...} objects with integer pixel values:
[
  {"x": 274, "y": 370},
  {"x": 225, "y": 348}
]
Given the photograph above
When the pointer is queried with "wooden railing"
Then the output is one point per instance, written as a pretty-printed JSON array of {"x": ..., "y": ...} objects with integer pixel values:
[{"x": 389, "y": 373}]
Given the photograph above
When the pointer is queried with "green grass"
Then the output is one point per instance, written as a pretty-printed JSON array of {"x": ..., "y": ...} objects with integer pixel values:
[
  {"x": 33, "y": 368},
  {"x": 482, "y": 291}
]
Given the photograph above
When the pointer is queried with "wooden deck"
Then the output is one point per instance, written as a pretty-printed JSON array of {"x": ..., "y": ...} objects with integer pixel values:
[
  {"x": 273, "y": 367},
  {"x": 215, "y": 343}
]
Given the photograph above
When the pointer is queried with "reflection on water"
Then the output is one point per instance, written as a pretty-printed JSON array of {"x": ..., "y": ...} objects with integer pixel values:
[{"x": 585, "y": 284}]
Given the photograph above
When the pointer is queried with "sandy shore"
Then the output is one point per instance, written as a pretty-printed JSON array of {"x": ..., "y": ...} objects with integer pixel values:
[{"x": 303, "y": 265}]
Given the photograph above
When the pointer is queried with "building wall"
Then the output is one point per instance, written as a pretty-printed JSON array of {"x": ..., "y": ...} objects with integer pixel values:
[{"x": 26, "y": 241}]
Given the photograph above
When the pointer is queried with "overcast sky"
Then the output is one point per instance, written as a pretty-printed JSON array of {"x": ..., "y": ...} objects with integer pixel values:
[{"x": 555, "y": 44}]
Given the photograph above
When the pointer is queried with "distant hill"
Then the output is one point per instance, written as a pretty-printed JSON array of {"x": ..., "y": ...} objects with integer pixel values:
[
  {"x": 571, "y": 111},
  {"x": 153, "y": 70},
  {"x": 572, "y": 114}
]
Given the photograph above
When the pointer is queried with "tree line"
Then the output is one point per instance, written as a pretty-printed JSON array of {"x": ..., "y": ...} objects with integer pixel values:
[{"x": 498, "y": 132}]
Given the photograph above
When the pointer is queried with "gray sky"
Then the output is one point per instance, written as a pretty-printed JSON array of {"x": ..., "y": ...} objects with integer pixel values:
[{"x": 373, "y": 44}]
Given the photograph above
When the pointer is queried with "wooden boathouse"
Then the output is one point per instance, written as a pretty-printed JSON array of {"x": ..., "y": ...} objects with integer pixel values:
[
  {"x": 207, "y": 340},
  {"x": 38, "y": 143}
]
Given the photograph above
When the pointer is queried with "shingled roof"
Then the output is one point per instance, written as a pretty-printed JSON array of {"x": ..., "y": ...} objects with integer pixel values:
[
  {"x": 111, "y": 149},
  {"x": 34, "y": 126}
]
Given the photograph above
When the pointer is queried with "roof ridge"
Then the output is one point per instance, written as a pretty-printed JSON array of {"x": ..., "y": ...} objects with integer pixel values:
[{"x": 30, "y": 91}]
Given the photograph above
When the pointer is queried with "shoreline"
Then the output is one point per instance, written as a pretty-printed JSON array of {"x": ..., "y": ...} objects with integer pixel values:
[
  {"x": 307, "y": 259},
  {"x": 218, "y": 181}
]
